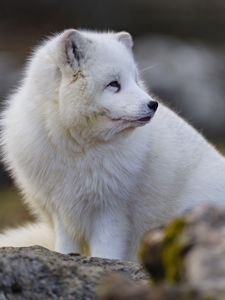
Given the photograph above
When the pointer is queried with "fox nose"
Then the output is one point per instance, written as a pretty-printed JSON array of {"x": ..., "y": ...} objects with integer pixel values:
[{"x": 153, "y": 105}]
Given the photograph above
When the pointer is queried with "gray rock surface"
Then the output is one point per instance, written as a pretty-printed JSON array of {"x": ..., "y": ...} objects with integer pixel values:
[{"x": 35, "y": 273}]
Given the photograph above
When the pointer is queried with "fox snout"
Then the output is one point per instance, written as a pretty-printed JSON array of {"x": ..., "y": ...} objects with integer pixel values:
[{"x": 153, "y": 105}]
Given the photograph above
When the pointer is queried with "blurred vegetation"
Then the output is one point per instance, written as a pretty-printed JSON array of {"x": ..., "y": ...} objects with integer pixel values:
[
  {"x": 12, "y": 210},
  {"x": 189, "y": 18}
]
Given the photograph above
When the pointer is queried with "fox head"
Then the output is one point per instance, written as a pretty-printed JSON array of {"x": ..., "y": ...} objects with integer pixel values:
[{"x": 92, "y": 84}]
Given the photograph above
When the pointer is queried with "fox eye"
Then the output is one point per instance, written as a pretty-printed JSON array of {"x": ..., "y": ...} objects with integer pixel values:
[{"x": 115, "y": 85}]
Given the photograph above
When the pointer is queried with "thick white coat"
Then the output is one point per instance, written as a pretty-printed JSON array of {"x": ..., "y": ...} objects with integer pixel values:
[{"x": 86, "y": 171}]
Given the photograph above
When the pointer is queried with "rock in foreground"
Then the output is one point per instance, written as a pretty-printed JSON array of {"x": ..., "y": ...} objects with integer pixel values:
[
  {"x": 189, "y": 254},
  {"x": 35, "y": 273},
  {"x": 185, "y": 258}
]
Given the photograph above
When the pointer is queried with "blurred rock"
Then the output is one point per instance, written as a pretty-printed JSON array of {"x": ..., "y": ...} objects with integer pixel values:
[
  {"x": 10, "y": 72},
  {"x": 119, "y": 287},
  {"x": 189, "y": 253},
  {"x": 188, "y": 76}
]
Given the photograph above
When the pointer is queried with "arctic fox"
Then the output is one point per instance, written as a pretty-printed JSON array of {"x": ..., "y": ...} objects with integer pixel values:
[{"x": 74, "y": 141}]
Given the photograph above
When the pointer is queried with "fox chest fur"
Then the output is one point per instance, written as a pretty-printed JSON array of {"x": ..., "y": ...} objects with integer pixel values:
[{"x": 76, "y": 186}]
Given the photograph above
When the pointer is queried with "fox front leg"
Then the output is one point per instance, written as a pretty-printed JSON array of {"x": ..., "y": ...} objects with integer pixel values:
[
  {"x": 64, "y": 242},
  {"x": 109, "y": 236}
]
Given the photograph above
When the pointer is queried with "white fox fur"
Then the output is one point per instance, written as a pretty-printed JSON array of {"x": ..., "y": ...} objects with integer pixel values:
[{"x": 73, "y": 141}]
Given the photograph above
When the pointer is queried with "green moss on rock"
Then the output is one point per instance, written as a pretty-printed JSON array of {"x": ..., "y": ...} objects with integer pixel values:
[
  {"x": 172, "y": 250},
  {"x": 162, "y": 253}
]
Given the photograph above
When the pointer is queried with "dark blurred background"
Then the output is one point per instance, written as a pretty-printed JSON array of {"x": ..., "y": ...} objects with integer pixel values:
[{"x": 179, "y": 45}]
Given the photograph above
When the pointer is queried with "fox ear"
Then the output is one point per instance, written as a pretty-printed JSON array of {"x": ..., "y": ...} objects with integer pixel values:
[
  {"x": 75, "y": 44},
  {"x": 125, "y": 38}
]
